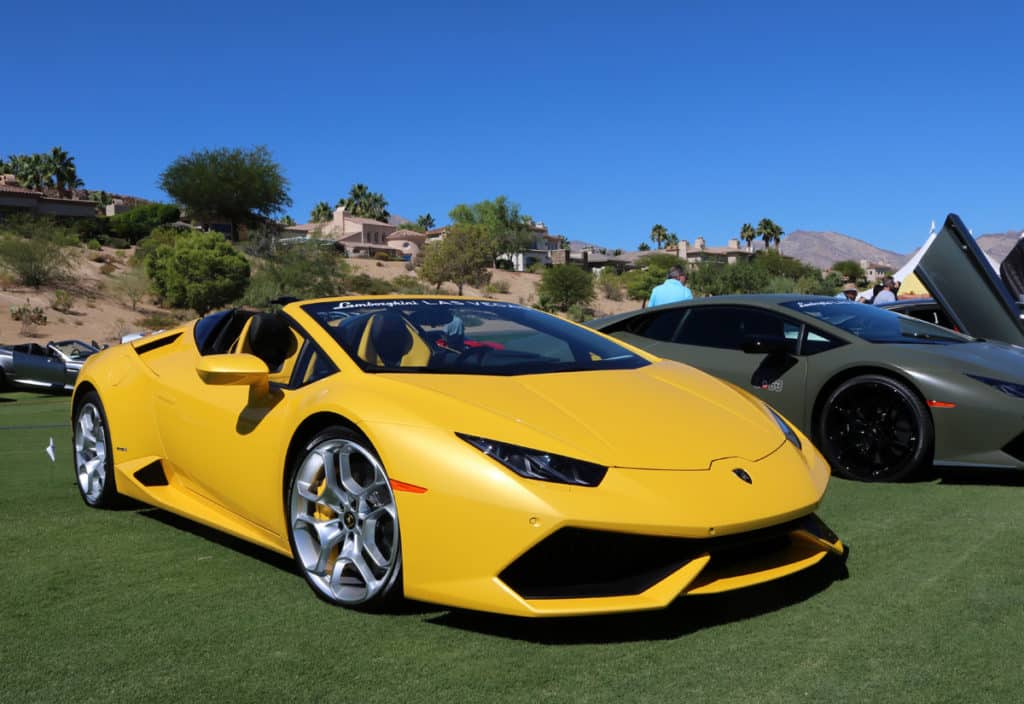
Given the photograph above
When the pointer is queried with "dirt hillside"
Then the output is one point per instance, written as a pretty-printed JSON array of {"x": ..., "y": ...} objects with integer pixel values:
[{"x": 101, "y": 309}]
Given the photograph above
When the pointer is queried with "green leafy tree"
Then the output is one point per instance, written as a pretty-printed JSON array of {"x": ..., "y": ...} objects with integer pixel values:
[
  {"x": 414, "y": 226},
  {"x": 643, "y": 247},
  {"x": 564, "y": 286},
  {"x": 426, "y": 221},
  {"x": 654, "y": 269},
  {"x": 748, "y": 234},
  {"x": 507, "y": 229},
  {"x": 850, "y": 270},
  {"x": 321, "y": 212},
  {"x": 364, "y": 203},
  {"x": 199, "y": 270},
  {"x": 770, "y": 233},
  {"x": 462, "y": 257},
  {"x": 286, "y": 221},
  {"x": 138, "y": 222},
  {"x": 239, "y": 185},
  {"x": 658, "y": 236}
]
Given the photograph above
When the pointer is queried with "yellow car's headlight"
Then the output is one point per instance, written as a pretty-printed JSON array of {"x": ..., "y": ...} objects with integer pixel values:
[
  {"x": 784, "y": 427},
  {"x": 534, "y": 464}
]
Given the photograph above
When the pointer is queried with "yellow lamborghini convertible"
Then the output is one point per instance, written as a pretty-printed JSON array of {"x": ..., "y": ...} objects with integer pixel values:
[{"x": 465, "y": 452}]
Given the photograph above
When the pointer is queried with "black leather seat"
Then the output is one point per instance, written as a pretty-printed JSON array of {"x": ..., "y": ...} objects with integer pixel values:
[
  {"x": 270, "y": 339},
  {"x": 391, "y": 338}
]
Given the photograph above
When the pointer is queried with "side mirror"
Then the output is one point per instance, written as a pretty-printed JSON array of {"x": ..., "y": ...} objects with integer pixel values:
[
  {"x": 234, "y": 370},
  {"x": 766, "y": 344}
]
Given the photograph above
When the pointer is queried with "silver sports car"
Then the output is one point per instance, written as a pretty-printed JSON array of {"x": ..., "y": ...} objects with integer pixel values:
[{"x": 33, "y": 366}]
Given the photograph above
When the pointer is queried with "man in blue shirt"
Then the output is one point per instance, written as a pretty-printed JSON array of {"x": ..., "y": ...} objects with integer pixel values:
[{"x": 672, "y": 291}]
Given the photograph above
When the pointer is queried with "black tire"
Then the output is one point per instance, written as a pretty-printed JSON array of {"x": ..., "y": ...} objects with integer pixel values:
[
  {"x": 874, "y": 428},
  {"x": 92, "y": 456},
  {"x": 356, "y": 509}
]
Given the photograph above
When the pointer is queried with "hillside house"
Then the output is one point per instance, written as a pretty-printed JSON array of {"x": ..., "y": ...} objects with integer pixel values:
[
  {"x": 15, "y": 199},
  {"x": 355, "y": 235}
]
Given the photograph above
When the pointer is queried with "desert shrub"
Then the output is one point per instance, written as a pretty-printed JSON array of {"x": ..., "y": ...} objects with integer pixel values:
[
  {"x": 93, "y": 244},
  {"x": 262, "y": 241},
  {"x": 497, "y": 287},
  {"x": 158, "y": 321},
  {"x": 366, "y": 284},
  {"x": 409, "y": 266},
  {"x": 133, "y": 285},
  {"x": 108, "y": 269},
  {"x": 28, "y": 314},
  {"x": 305, "y": 271},
  {"x": 382, "y": 256},
  {"x": 37, "y": 261},
  {"x": 200, "y": 270},
  {"x": 564, "y": 286},
  {"x": 577, "y": 313},
  {"x": 408, "y": 284},
  {"x": 62, "y": 301},
  {"x": 100, "y": 257},
  {"x": 537, "y": 268},
  {"x": 610, "y": 284},
  {"x": 116, "y": 242}
]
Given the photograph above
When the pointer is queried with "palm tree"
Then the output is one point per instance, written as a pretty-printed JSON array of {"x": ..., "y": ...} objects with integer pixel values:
[
  {"x": 671, "y": 240},
  {"x": 62, "y": 168},
  {"x": 659, "y": 235},
  {"x": 770, "y": 233},
  {"x": 363, "y": 203},
  {"x": 35, "y": 172},
  {"x": 426, "y": 221},
  {"x": 748, "y": 235},
  {"x": 321, "y": 212}
]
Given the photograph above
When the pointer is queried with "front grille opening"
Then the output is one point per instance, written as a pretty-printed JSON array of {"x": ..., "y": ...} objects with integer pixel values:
[{"x": 579, "y": 563}]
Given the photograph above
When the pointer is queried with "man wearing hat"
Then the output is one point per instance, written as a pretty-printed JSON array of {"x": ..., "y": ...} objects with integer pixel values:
[{"x": 848, "y": 292}]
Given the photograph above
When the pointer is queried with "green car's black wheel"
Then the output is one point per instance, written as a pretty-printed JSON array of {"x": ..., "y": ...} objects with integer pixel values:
[{"x": 875, "y": 429}]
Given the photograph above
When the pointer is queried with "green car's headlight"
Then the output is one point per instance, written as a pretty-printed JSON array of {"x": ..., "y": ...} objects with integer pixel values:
[
  {"x": 784, "y": 427},
  {"x": 534, "y": 464}
]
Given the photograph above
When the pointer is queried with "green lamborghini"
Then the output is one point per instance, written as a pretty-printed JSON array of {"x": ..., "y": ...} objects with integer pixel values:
[{"x": 882, "y": 395}]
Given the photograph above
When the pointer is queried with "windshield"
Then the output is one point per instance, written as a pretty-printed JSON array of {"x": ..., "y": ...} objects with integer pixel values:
[
  {"x": 876, "y": 324},
  {"x": 457, "y": 336}
]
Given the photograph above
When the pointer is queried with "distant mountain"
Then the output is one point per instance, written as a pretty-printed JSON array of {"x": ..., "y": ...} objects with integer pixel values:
[
  {"x": 998, "y": 246},
  {"x": 823, "y": 249}
]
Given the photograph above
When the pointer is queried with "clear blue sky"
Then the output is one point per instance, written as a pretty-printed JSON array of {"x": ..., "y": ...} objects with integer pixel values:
[{"x": 598, "y": 119}]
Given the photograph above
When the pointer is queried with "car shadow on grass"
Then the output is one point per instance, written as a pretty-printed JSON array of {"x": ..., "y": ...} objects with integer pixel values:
[
  {"x": 267, "y": 557},
  {"x": 684, "y": 616},
  {"x": 987, "y": 477},
  {"x": 248, "y": 549}
]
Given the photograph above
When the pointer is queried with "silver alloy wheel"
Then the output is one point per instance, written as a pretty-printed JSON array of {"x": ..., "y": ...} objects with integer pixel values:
[
  {"x": 345, "y": 523},
  {"x": 90, "y": 452}
]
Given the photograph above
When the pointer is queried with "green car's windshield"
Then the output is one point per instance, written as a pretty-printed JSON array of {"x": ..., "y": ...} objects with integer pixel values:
[
  {"x": 875, "y": 324},
  {"x": 461, "y": 336}
]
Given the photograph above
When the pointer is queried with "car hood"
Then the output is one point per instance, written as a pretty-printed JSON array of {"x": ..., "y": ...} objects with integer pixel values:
[
  {"x": 990, "y": 358},
  {"x": 959, "y": 276},
  {"x": 662, "y": 416}
]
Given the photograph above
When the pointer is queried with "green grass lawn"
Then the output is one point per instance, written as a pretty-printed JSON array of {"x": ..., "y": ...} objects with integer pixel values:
[{"x": 134, "y": 605}]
